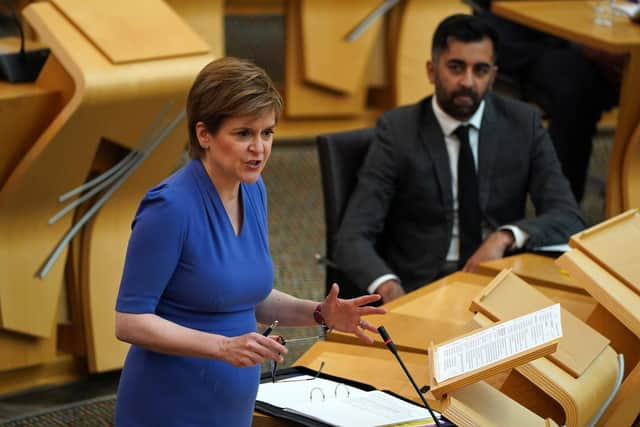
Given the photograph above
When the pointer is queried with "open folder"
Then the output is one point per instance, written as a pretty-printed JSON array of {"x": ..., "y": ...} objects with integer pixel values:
[{"x": 298, "y": 395}]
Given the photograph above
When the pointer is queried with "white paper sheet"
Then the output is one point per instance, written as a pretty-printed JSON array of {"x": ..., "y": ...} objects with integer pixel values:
[
  {"x": 561, "y": 247},
  {"x": 357, "y": 408},
  {"x": 629, "y": 9},
  {"x": 497, "y": 343}
]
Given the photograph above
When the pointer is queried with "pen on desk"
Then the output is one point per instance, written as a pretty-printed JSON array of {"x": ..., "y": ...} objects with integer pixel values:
[{"x": 270, "y": 328}]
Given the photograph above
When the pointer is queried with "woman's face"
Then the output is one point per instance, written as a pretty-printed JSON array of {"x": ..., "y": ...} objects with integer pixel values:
[{"x": 239, "y": 150}]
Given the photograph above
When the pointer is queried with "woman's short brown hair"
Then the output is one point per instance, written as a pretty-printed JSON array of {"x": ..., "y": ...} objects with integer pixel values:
[{"x": 228, "y": 87}]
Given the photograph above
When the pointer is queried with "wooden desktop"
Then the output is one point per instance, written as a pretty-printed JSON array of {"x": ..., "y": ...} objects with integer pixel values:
[{"x": 547, "y": 390}]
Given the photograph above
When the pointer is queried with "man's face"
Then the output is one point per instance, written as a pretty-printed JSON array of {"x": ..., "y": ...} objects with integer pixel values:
[{"x": 462, "y": 74}]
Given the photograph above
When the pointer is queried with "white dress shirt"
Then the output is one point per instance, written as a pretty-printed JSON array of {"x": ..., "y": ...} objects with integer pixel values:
[{"x": 448, "y": 125}]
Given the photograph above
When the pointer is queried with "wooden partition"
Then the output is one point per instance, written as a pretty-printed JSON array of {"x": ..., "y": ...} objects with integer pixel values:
[
  {"x": 93, "y": 103},
  {"x": 206, "y": 18},
  {"x": 536, "y": 269},
  {"x": 631, "y": 172},
  {"x": 604, "y": 260},
  {"x": 26, "y": 110},
  {"x": 307, "y": 41},
  {"x": 325, "y": 49},
  {"x": 580, "y": 375}
]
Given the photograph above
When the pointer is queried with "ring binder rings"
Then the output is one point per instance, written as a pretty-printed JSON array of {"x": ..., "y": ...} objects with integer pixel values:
[{"x": 309, "y": 421}]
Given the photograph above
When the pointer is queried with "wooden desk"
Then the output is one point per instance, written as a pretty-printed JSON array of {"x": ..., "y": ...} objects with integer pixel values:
[
  {"x": 535, "y": 269},
  {"x": 477, "y": 404},
  {"x": 573, "y": 20},
  {"x": 375, "y": 366},
  {"x": 440, "y": 311},
  {"x": 543, "y": 274},
  {"x": 358, "y": 362}
]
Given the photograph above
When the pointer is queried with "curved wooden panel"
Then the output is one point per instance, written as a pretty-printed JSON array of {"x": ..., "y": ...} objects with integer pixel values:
[
  {"x": 301, "y": 98},
  {"x": 628, "y": 119},
  {"x": 611, "y": 244},
  {"x": 328, "y": 59},
  {"x": 25, "y": 110},
  {"x": 579, "y": 397},
  {"x": 104, "y": 248},
  {"x": 618, "y": 316},
  {"x": 20, "y": 350},
  {"x": 126, "y": 31},
  {"x": 125, "y": 120},
  {"x": 480, "y": 404},
  {"x": 27, "y": 200},
  {"x": 631, "y": 172},
  {"x": 206, "y": 17},
  {"x": 108, "y": 101}
]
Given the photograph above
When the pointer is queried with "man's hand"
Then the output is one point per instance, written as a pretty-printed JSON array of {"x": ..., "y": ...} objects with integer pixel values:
[
  {"x": 390, "y": 290},
  {"x": 493, "y": 247}
]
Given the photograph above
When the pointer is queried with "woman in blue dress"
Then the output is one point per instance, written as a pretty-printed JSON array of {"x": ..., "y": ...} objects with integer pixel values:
[{"x": 198, "y": 271}]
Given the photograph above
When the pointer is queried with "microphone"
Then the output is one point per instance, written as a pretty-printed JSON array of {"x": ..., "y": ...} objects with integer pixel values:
[{"x": 392, "y": 347}]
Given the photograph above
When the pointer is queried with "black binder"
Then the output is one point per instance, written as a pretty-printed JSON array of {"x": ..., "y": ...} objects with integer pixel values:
[{"x": 302, "y": 420}]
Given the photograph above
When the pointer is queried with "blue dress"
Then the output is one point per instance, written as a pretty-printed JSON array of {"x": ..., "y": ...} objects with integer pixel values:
[{"x": 186, "y": 264}]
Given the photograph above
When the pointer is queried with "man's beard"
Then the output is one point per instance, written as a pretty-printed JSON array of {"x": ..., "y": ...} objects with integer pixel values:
[{"x": 458, "y": 112}]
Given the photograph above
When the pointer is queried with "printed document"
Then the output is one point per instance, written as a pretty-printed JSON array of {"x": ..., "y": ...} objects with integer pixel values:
[
  {"x": 338, "y": 404},
  {"x": 497, "y": 343}
]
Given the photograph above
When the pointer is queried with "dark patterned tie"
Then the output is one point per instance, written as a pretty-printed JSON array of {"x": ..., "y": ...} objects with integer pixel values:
[{"x": 469, "y": 215}]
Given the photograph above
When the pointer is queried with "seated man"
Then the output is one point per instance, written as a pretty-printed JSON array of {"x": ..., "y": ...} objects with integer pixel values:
[{"x": 445, "y": 182}]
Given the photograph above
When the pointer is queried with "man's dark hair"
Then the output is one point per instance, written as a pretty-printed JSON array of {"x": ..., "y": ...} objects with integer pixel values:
[{"x": 464, "y": 28}]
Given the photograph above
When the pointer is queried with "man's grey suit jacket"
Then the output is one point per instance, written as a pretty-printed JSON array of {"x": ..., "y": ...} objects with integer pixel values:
[{"x": 400, "y": 216}]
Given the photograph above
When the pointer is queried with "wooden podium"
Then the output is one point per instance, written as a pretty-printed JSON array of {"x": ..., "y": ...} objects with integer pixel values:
[
  {"x": 567, "y": 387},
  {"x": 473, "y": 406},
  {"x": 580, "y": 376},
  {"x": 604, "y": 259}
]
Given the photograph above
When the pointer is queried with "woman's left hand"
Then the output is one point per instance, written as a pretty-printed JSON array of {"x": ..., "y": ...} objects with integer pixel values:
[{"x": 345, "y": 314}]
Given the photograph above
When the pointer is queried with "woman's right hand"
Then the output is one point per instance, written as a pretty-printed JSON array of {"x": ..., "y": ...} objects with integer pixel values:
[{"x": 252, "y": 349}]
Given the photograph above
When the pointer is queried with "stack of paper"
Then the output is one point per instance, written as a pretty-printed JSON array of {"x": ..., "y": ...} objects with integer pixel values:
[{"x": 337, "y": 404}]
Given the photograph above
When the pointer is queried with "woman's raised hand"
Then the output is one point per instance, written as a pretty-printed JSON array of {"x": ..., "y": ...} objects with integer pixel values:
[{"x": 345, "y": 314}]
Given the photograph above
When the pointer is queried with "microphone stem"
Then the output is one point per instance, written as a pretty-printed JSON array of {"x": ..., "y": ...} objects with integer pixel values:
[{"x": 415, "y": 386}]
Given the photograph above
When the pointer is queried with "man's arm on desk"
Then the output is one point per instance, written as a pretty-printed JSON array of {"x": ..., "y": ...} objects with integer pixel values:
[
  {"x": 389, "y": 290},
  {"x": 494, "y": 247}
]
